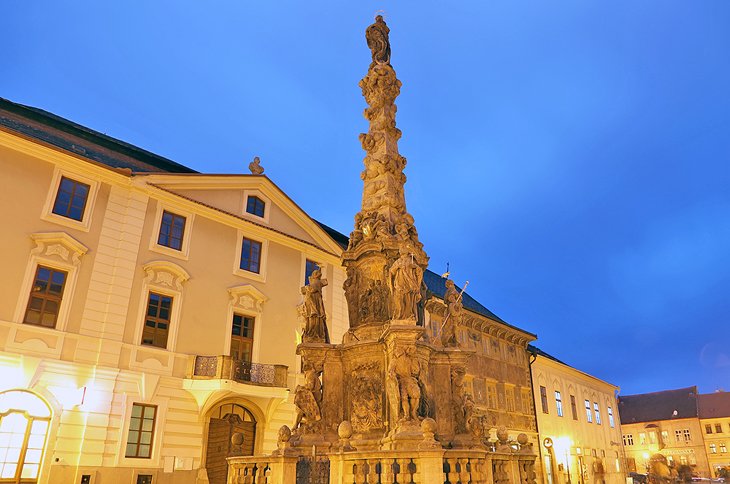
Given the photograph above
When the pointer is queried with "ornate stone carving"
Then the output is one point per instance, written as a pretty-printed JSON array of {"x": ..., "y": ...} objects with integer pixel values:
[
  {"x": 458, "y": 400},
  {"x": 366, "y": 405},
  {"x": 405, "y": 282},
  {"x": 378, "y": 42},
  {"x": 454, "y": 315},
  {"x": 247, "y": 297},
  {"x": 164, "y": 273},
  {"x": 308, "y": 398},
  {"x": 315, "y": 329},
  {"x": 60, "y": 246},
  {"x": 403, "y": 387},
  {"x": 255, "y": 166}
]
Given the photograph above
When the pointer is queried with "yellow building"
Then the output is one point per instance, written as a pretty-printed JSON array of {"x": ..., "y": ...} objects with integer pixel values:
[
  {"x": 714, "y": 413},
  {"x": 665, "y": 423},
  {"x": 147, "y": 312},
  {"x": 578, "y": 423}
]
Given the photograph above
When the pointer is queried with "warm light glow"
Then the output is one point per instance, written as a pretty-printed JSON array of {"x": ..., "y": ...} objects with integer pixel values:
[
  {"x": 645, "y": 455},
  {"x": 25, "y": 402},
  {"x": 561, "y": 448},
  {"x": 298, "y": 337},
  {"x": 548, "y": 442},
  {"x": 68, "y": 396}
]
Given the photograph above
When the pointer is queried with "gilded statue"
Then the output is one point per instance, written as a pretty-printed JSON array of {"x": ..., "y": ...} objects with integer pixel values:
[
  {"x": 404, "y": 390},
  {"x": 405, "y": 285},
  {"x": 315, "y": 329},
  {"x": 307, "y": 399},
  {"x": 378, "y": 42}
]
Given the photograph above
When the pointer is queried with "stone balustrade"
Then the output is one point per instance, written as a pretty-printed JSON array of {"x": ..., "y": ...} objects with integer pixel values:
[{"x": 226, "y": 368}]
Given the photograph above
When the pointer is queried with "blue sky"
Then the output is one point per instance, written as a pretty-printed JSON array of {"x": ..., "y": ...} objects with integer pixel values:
[{"x": 569, "y": 159}]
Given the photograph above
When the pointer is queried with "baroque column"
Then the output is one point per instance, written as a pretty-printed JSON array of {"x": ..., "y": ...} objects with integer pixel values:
[{"x": 385, "y": 260}]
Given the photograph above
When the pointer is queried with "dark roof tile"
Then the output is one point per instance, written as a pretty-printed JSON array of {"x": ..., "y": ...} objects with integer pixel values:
[{"x": 665, "y": 405}]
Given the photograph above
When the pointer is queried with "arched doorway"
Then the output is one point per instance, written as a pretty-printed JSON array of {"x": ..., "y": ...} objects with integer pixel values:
[
  {"x": 225, "y": 421},
  {"x": 24, "y": 421}
]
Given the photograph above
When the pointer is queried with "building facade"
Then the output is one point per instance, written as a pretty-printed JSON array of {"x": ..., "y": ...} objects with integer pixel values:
[
  {"x": 665, "y": 423},
  {"x": 147, "y": 313},
  {"x": 714, "y": 413},
  {"x": 578, "y": 422}
]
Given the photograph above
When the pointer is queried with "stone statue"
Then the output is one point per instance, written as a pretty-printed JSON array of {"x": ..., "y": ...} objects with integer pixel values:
[
  {"x": 377, "y": 37},
  {"x": 405, "y": 285},
  {"x": 307, "y": 399},
  {"x": 458, "y": 398},
  {"x": 255, "y": 166},
  {"x": 315, "y": 329},
  {"x": 454, "y": 316},
  {"x": 350, "y": 287},
  {"x": 403, "y": 374}
]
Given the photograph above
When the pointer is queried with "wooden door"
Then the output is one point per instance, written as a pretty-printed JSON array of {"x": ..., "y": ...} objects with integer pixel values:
[{"x": 220, "y": 447}]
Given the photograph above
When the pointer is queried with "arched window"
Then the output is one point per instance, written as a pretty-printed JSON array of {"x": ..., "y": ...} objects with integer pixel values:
[{"x": 24, "y": 421}]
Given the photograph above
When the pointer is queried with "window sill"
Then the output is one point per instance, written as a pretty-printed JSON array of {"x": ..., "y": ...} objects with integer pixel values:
[
  {"x": 82, "y": 225},
  {"x": 177, "y": 254},
  {"x": 254, "y": 276}
]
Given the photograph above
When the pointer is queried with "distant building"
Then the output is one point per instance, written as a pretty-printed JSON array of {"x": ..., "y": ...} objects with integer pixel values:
[
  {"x": 665, "y": 423},
  {"x": 578, "y": 422},
  {"x": 714, "y": 413}
]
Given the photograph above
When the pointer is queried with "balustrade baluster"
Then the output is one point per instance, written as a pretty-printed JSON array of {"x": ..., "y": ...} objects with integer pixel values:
[
  {"x": 387, "y": 473},
  {"x": 373, "y": 471},
  {"x": 464, "y": 470},
  {"x": 453, "y": 474},
  {"x": 360, "y": 477},
  {"x": 406, "y": 471},
  {"x": 262, "y": 473}
]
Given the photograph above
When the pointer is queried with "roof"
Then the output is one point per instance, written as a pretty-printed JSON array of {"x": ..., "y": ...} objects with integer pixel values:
[
  {"x": 664, "y": 405},
  {"x": 714, "y": 405},
  {"x": 537, "y": 351},
  {"x": 82, "y": 141}
]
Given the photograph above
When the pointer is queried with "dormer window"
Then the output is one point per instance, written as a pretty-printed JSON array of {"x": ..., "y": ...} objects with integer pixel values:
[{"x": 255, "y": 206}]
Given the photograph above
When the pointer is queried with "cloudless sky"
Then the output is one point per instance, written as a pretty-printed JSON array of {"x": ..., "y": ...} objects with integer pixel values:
[{"x": 570, "y": 159}]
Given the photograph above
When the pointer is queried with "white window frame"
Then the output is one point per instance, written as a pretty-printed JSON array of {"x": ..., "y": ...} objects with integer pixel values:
[
  {"x": 184, "y": 252},
  {"x": 165, "y": 278},
  {"x": 267, "y": 205},
  {"x": 245, "y": 300},
  {"x": 157, "y": 438},
  {"x": 47, "y": 214},
  {"x": 56, "y": 250},
  {"x": 261, "y": 275}
]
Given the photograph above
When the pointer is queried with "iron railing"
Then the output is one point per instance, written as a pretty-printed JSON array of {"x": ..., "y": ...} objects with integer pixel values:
[{"x": 226, "y": 368}]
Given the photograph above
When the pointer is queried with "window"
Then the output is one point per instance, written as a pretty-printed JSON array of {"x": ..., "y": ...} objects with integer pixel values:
[
  {"x": 723, "y": 448},
  {"x": 558, "y": 404},
  {"x": 526, "y": 401},
  {"x": 589, "y": 415},
  {"x": 309, "y": 267},
  {"x": 141, "y": 431},
  {"x": 642, "y": 438},
  {"x": 172, "y": 229},
  {"x": 598, "y": 413},
  {"x": 611, "y": 421},
  {"x": 71, "y": 199},
  {"x": 718, "y": 428},
  {"x": 708, "y": 429},
  {"x": 573, "y": 407},
  {"x": 687, "y": 436},
  {"x": 157, "y": 320},
  {"x": 491, "y": 395},
  {"x": 683, "y": 460},
  {"x": 678, "y": 435},
  {"x": 250, "y": 255},
  {"x": 665, "y": 437},
  {"x": 713, "y": 449},
  {"x": 628, "y": 439},
  {"x": 543, "y": 399},
  {"x": 45, "y": 297},
  {"x": 509, "y": 396},
  {"x": 144, "y": 479},
  {"x": 23, "y": 430},
  {"x": 242, "y": 338},
  {"x": 652, "y": 437},
  {"x": 255, "y": 206}
]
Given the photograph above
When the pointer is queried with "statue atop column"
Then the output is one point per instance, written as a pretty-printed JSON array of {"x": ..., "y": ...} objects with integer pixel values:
[
  {"x": 404, "y": 389},
  {"x": 378, "y": 42},
  {"x": 405, "y": 282}
]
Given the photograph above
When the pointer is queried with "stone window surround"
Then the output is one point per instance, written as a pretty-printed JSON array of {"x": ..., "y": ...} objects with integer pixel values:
[
  {"x": 261, "y": 275},
  {"x": 56, "y": 250},
  {"x": 164, "y": 278},
  {"x": 263, "y": 198},
  {"x": 47, "y": 213},
  {"x": 184, "y": 251},
  {"x": 245, "y": 300},
  {"x": 155, "y": 459}
]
